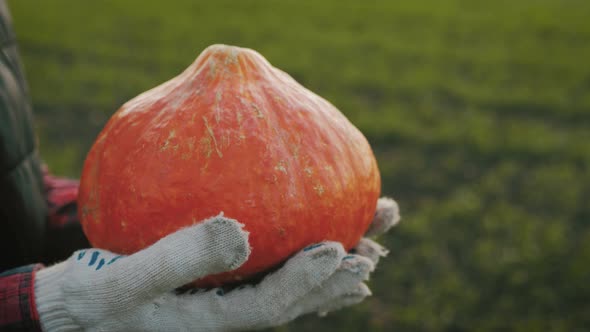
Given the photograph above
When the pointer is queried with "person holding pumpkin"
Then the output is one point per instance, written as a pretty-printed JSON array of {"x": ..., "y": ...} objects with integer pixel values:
[{"x": 96, "y": 289}]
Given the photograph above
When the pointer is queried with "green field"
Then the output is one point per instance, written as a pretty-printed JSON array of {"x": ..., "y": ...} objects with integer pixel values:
[{"x": 478, "y": 112}]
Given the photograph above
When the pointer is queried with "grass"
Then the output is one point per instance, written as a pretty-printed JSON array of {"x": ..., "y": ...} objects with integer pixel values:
[{"x": 479, "y": 114}]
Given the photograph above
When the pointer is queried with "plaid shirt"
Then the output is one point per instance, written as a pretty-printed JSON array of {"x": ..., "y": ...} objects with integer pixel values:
[
  {"x": 17, "y": 299},
  {"x": 17, "y": 288}
]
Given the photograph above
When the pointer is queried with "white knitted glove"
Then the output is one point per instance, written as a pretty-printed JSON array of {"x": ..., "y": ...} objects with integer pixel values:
[{"x": 96, "y": 290}]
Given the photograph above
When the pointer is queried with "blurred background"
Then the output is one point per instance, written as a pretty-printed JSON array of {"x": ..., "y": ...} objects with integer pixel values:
[{"x": 478, "y": 112}]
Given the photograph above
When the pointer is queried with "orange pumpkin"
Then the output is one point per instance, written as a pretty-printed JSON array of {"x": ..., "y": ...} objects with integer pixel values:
[{"x": 233, "y": 134}]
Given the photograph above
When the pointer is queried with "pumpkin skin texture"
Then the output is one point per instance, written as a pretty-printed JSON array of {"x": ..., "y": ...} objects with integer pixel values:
[{"x": 233, "y": 134}]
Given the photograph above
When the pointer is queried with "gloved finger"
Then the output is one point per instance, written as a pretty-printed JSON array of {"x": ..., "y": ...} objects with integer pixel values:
[
  {"x": 370, "y": 249},
  {"x": 386, "y": 216},
  {"x": 303, "y": 272},
  {"x": 215, "y": 245},
  {"x": 353, "y": 297},
  {"x": 261, "y": 306},
  {"x": 353, "y": 270}
]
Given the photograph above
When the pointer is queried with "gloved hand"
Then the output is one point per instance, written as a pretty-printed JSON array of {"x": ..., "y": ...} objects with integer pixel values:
[{"x": 97, "y": 290}]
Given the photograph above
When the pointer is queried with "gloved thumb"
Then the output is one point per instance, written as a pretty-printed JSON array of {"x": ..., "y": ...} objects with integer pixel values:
[{"x": 213, "y": 246}]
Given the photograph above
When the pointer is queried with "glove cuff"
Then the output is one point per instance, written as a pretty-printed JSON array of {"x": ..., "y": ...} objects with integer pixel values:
[{"x": 49, "y": 298}]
